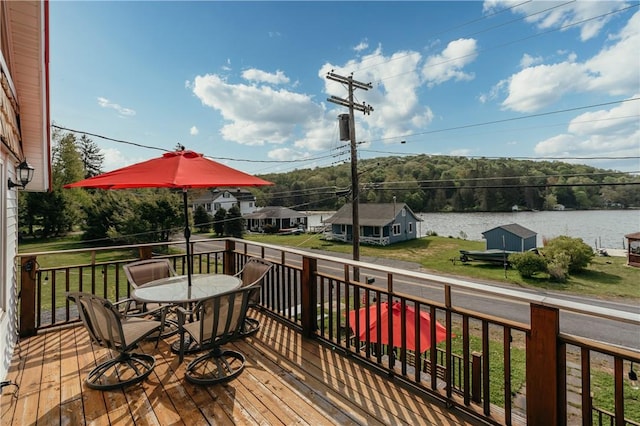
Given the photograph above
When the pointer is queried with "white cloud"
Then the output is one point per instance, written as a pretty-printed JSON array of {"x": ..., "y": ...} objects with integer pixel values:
[
  {"x": 613, "y": 132},
  {"x": 449, "y": 63},
  {"x": 114, "y": 159},
  {"x": 528, "y": 60},
  {"x": 613, "y": 71},
  {"x": 545, "y": 16},
  {"x": 536, "y": 87},
  {"x": 193, "y": 131},
  {"x": 260, "y": 76},
  {"x": 283, "y": 154},
  {"x": 361, "y": 46},
  {"x": 397, "y": 107},
  {"x": 122, "y": 111},
  {"x": 255, "y": 115}
]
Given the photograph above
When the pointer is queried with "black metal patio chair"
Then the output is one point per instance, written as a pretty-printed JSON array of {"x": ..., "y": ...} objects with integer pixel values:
[{"x": 120, "y": 332}]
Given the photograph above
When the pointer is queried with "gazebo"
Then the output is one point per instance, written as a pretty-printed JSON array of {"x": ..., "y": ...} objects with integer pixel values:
[{"x": 633, "y": 249}]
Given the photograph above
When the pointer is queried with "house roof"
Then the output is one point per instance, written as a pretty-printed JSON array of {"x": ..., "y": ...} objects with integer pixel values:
[
  {"x": 515, "y": 229},
  {"x": 370, "y": 214},
  {"x": 274, "y": 212},
  {"x": 633, "y": 236},
  {"x": 237, "y": 193},
  {"x": 28, "y": 59}
]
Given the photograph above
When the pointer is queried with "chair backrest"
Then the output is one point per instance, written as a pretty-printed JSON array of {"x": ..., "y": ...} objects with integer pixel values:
[
  {"x": 222, "y": 316},
  {"x": 101, "y": 319},
  {"x": 143, "y": 271},
  {"x": 107, "y": 327},
  {"x": 252, "y": 275}
]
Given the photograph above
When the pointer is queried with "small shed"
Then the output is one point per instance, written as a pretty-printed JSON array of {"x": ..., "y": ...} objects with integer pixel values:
[
  {"x": 512, "y": 237},
  {"x": 633, "y": 249}
]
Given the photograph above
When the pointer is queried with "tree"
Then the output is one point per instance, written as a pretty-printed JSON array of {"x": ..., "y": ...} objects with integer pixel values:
[
  {"x": 58, "y": 211},
  {"x": 234, "y": 224},
  {"x": 528, "y": 263},
  {"x": 560, "y": 249},
  {"x": 202, "y": 219},
  {"x": 91, "y": 157},
  {"x": 142, "y": 216},
  {"x": 218, "y": 221}
]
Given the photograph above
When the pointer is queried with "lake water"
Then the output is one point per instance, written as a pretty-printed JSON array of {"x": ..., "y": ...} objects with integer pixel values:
[{"x": 597, "y": 228}]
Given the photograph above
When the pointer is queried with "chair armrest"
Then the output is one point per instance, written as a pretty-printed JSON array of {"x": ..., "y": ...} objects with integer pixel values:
[{"x": 128, "y": 303}]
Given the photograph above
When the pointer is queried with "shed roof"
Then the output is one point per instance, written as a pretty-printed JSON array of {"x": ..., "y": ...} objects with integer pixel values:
[
  {"x": 370, "y": 214},
  {"x": 274, "y": 212},
  {"x": 633, "y": 236},
  {"x": 515, "y": 229}
]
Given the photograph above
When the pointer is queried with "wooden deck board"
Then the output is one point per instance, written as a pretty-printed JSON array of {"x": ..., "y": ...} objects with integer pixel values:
[{"x": 287, "y": 380}]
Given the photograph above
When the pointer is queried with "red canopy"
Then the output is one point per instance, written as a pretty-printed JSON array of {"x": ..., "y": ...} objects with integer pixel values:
[
  {"x": 396, "y": 321},
  {"x": 180, "y": 169}
]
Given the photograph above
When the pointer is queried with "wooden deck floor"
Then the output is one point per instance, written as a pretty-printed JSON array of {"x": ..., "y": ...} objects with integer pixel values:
[{"x": 287, "y": 381}]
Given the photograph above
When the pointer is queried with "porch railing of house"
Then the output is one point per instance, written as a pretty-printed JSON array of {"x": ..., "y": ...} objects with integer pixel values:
[{"x": 498, "y": 370}]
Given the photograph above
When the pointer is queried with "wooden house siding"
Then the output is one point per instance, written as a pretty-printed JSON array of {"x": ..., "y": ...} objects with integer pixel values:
[
  {"x": 24, "y": 121},
  {"x": 380, "y": 224}
]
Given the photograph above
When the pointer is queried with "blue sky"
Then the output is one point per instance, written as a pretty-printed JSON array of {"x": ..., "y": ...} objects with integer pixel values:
[{"x": 245, "y": 82}]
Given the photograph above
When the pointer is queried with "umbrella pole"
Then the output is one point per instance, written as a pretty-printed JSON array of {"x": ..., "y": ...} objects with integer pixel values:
[{"x": 187, "y": 234}]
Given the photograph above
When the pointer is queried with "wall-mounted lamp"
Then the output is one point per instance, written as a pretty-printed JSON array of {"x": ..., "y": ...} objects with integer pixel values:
[{"x": 25, "y": 175}]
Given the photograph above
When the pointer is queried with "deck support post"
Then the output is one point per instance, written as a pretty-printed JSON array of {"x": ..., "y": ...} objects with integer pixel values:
[
  {"x": 229, "y": 259},
  {"x": 542, "y": 367},
  {"x": 28, "y": 274},
  {"x": 309, "y": 314}
]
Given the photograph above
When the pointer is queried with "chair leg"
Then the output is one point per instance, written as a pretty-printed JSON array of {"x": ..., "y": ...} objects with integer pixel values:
[
  {"x": 217, "y": 366},
  {"x": 124, "y": 370},
  {"x": 249, "y": 327}
]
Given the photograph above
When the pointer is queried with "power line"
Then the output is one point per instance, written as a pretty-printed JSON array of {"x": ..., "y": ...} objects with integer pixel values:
[
  {"x": 506, "y": 120},
  {"x": 488, "y": 157}
]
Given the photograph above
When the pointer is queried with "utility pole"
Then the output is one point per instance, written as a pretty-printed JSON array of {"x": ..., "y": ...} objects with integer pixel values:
[{"x": 355, "y": 192}]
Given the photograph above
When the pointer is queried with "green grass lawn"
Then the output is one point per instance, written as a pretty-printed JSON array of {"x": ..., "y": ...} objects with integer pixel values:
[{"x": 606, "y": 277}]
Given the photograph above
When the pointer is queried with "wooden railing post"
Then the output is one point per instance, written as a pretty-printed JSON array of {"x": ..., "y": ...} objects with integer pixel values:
[
  {"x": 542, "y": 366},
  {"x": 309, "y": 314},
  {"x": 476, "y": 377},
  {"x": 229, "y": 258},
  {"x": 144, "y": 252},
  {"x": 28, "y": 268}
]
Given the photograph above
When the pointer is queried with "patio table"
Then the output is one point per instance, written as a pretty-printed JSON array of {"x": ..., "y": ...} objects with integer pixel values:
[{"x": 176, "y": 290}]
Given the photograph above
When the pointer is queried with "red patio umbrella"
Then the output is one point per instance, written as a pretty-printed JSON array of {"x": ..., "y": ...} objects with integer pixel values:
[
  {"x": 180, "y": 169},
  {"x": 396, "y": 325}
]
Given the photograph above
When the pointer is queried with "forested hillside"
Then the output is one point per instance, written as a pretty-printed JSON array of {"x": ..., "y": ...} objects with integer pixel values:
[{"x": 444, "y": 183}]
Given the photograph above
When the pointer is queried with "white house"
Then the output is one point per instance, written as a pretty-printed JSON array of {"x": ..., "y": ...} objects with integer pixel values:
[
  {"x": 24, "y": 126},
  {"x": 225, "y": 198}
]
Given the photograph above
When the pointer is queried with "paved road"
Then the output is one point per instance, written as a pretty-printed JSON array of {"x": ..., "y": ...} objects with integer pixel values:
[{"x": 612, "y": 332}]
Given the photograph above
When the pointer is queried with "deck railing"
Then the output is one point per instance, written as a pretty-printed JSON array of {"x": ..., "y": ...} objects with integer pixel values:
[{"x": 495, "y": 369}]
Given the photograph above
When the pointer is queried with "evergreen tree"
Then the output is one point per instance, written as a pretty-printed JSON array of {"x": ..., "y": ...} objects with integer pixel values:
[
  {"x": 202, "y": 219},
  {"x": 218, "y": 221},
  {"x": 234, "y": 224},
  {"x": 91, "y": 157}
]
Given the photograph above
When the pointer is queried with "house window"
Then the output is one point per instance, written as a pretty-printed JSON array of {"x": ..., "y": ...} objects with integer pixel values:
[
  {"x": 404, "y": 212},
  {"x": 216, "y": 206},
  {"x": 410, "y": 227},
  {"x": 396, "y": 229},
  {"x": 250, "y": 203}
]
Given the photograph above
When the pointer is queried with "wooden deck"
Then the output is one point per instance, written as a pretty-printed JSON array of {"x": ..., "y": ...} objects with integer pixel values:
[{"x": 287, "y": 380}]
